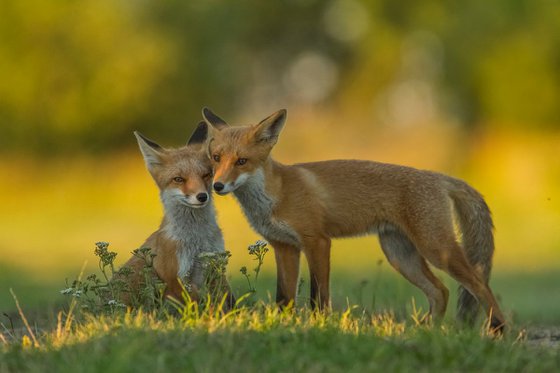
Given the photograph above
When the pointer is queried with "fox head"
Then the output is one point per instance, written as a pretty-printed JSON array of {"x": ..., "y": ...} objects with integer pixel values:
[
  {"x": 238, "y": 152},
  {"x": 183, "y": 175}
]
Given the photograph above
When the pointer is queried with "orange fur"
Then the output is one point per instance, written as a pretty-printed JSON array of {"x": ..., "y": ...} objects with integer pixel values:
[
  {"x": 165, "y": 265},
  {"x": 310, "y": 203}
]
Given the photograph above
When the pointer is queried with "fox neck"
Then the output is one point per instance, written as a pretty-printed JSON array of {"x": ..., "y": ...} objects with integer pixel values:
[
  {"x": 194, "y": 231},
  {"x": 257, "y": 197},
  {"x": 260, "y": 187},
  {"x": 181, "y": 219}
]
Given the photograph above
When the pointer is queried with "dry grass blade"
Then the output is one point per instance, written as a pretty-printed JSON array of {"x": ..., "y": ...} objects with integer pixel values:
[
  {"x": 24, "y": 319},
  {"x": 59, "y": 325},
  {"x": 69, "y": 317}
]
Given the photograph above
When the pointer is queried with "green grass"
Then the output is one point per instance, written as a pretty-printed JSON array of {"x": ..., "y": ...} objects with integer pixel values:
[
  {"x": 374, "y": 326},
  {"x": 264, "y": 339}
]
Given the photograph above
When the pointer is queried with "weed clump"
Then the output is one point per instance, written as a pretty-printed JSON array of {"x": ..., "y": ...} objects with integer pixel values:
[
  {"x": 117, "y": 291},
  {"x": 112, "y": 291}
]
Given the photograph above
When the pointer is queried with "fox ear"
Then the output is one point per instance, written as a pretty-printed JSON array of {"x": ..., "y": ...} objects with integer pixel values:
[
  {"x": 151, "y": 151},
  {"x": 213, "y": 120},
  {"x": 199, "y": 135},
  {"x": 269, "y": 128}
]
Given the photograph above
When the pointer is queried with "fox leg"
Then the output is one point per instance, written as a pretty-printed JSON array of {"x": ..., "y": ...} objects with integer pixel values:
[
  {"x": 216, "y": 283},
  {"x": 173, "y": 289},
  {"x": 462, "y": 271},
  {"x": 404, "y": 257},
  {"x": 287, "y": 272},
  {"x": 445, "y": 253},
  {"x": 318, "y": 252}
]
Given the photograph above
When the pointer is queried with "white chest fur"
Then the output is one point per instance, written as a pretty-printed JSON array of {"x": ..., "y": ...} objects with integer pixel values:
[
  {"x": 195, "y": 231},
  {"x": 258, "y": 206}
]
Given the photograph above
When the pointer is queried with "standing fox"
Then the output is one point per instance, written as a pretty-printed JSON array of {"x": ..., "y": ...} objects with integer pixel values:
[
  {"x": 189, "y": 228},
  {"x": 301, "y": 207}
]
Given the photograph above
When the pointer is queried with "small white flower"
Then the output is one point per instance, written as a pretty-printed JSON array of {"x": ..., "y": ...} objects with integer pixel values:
[
  {"x": 77, "y": 293},
  {"x": 207, "y": 254},
  {"x": 66, "y": 291},
  {"x": 112, "y": 302}
]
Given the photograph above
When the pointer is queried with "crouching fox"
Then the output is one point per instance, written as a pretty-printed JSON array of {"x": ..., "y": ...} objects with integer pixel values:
[{"x": 189, "y": 228}]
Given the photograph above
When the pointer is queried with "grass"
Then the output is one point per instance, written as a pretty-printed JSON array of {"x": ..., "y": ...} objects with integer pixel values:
[
  {"x": 381, "y": 332},
  {"x": 262, "y": 338},
  {"x": 376, "y": 324}
]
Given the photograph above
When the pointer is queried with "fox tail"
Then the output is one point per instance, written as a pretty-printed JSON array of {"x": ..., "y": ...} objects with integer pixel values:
[{"x": 475, "y": 223}]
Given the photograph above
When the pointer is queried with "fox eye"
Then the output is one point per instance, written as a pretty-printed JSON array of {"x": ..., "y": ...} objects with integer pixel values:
[
  {"x": 216, "y": 157},
  {"x": 178, "y": 179},
  {"x": 241, "y": 161}
]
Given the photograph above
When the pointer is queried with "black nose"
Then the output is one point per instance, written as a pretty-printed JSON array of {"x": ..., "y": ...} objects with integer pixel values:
[
  {"x": 218, "y": 187},
  {"x": 202, "y": 197}
]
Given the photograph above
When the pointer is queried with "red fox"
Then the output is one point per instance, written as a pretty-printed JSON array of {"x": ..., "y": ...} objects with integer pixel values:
[
  {"x": 301, "y": 207},
  {"x": 189, "y": 228}
]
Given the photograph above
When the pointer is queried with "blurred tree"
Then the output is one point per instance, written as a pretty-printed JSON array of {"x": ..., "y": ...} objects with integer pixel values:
[
  {"x": 234, "y": 54},
  {"x": 75, "y": 74},
  {"x": 497, "y": 63},
  {"x": 81, "y": 75}
]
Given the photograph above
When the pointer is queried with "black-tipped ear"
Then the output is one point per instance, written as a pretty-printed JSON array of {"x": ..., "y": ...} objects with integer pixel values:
[
  {"x": 149, "y": 142},
  {"x": 213, "y": 120},
  {"x": 151, "y": 151},
  {"x": 269, "y": 128},
  {"x": 199, "y": 135}
]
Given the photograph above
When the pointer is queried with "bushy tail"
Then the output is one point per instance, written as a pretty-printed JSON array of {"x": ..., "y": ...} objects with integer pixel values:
[{"x": 475, "y": 222}]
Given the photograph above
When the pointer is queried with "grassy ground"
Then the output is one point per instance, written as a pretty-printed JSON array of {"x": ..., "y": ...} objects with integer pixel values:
[
  {"x": 374, "y": 326},
  {"x": 264, "y": 339},
  {"x": 379, "y": 333}
]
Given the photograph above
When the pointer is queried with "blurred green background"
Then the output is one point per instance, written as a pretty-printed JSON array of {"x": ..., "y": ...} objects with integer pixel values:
[{"x": 471, "y": 89}]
